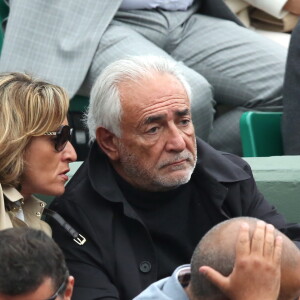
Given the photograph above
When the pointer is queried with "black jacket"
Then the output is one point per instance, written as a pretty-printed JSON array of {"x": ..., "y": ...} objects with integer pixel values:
[
  {"x": 291, "y": 96},
  {"x": 118, "y": 260}
]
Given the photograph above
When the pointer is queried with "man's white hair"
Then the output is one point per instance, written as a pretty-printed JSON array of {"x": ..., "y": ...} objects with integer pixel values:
[{"x": 105, "y": 108}]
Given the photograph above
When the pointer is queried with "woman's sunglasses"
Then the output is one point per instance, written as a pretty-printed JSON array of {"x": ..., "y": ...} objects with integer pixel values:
[{"x": 62, "y": 136}]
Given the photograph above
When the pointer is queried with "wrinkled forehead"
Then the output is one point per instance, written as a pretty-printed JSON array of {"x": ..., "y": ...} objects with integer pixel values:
[
  {"x": 151, "y": 86},
  {"x": 157, "y": 95}
]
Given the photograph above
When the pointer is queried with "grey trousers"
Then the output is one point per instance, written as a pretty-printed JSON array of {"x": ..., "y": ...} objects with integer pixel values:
[{"x": 224, "y": 63}]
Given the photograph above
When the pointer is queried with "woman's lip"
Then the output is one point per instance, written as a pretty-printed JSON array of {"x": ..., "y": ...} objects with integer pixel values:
[
  {"x": 65, "y": 172},
  {"x": 64, "y": 177}
]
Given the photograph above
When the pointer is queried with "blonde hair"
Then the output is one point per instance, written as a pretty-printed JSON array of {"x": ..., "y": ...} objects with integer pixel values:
[{"x": 28, "y": 108}]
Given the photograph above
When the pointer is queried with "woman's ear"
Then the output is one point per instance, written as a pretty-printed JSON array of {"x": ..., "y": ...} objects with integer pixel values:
[{"x": 107, "y": 141}]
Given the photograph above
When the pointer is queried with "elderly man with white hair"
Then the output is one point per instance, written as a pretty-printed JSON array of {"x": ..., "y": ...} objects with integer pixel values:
[{"x": 149, "y": 189}]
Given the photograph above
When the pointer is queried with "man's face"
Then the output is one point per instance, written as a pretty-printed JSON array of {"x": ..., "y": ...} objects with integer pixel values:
[
  {"x": 157, "y": 149},
  {"x": 43, "y": 292}
]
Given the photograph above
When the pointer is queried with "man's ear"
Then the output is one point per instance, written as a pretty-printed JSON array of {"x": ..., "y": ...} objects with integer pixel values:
[
  {"x": 107, "y": 141},
  {"x": 69, "y": 289}
]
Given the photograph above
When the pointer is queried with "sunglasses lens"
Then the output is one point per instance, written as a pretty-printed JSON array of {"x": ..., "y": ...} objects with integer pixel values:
[{"x": 62, "y": 137}]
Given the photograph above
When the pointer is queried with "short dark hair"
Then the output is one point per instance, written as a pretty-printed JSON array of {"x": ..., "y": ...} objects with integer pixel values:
[
  {"x": 27, "y": 258},
  {"x": 207, "y": 253}
]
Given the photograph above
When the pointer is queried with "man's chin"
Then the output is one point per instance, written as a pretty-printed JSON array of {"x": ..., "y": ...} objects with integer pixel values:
[
  {"x": 177, "y": 173},
  {"x": 164, "y": 183},
  {"x": 174, "y": 180}
]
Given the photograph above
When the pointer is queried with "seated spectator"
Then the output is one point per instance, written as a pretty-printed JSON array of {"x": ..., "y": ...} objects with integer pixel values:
[
  {"x": 243, "y": 267},
  {"x": 149, "y": 189},
  {"x": 71, "y": 42},
  {"x": 32, "y": 267},
  {"x": 35, "y": 151}
]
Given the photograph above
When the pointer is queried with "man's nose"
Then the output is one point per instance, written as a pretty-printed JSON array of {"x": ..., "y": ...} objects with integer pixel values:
[{"x": 175, "y": 140}]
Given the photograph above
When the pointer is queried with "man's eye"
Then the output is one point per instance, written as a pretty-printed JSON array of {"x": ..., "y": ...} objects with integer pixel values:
[
  {"x": 185, "y": 122},
  {"x": 153, "y": 130}
]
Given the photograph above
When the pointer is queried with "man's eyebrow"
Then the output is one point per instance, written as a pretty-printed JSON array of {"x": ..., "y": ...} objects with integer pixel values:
[
  {"x": 182, "y": 113},
  {"x": 153, "y": 119},
  {"x": 156, "y": 118}
]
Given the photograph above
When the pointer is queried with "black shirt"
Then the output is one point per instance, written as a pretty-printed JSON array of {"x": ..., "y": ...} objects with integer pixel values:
[{"x": 176, "y": 220}]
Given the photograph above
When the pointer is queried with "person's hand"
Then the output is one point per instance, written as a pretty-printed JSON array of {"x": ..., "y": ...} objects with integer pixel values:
[
  {"x": 256, "y": 273},
  {"x": 293, "y": 6}
]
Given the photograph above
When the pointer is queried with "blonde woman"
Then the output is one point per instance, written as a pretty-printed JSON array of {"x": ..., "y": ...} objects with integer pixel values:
[{"x": 35, "y": 151}]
